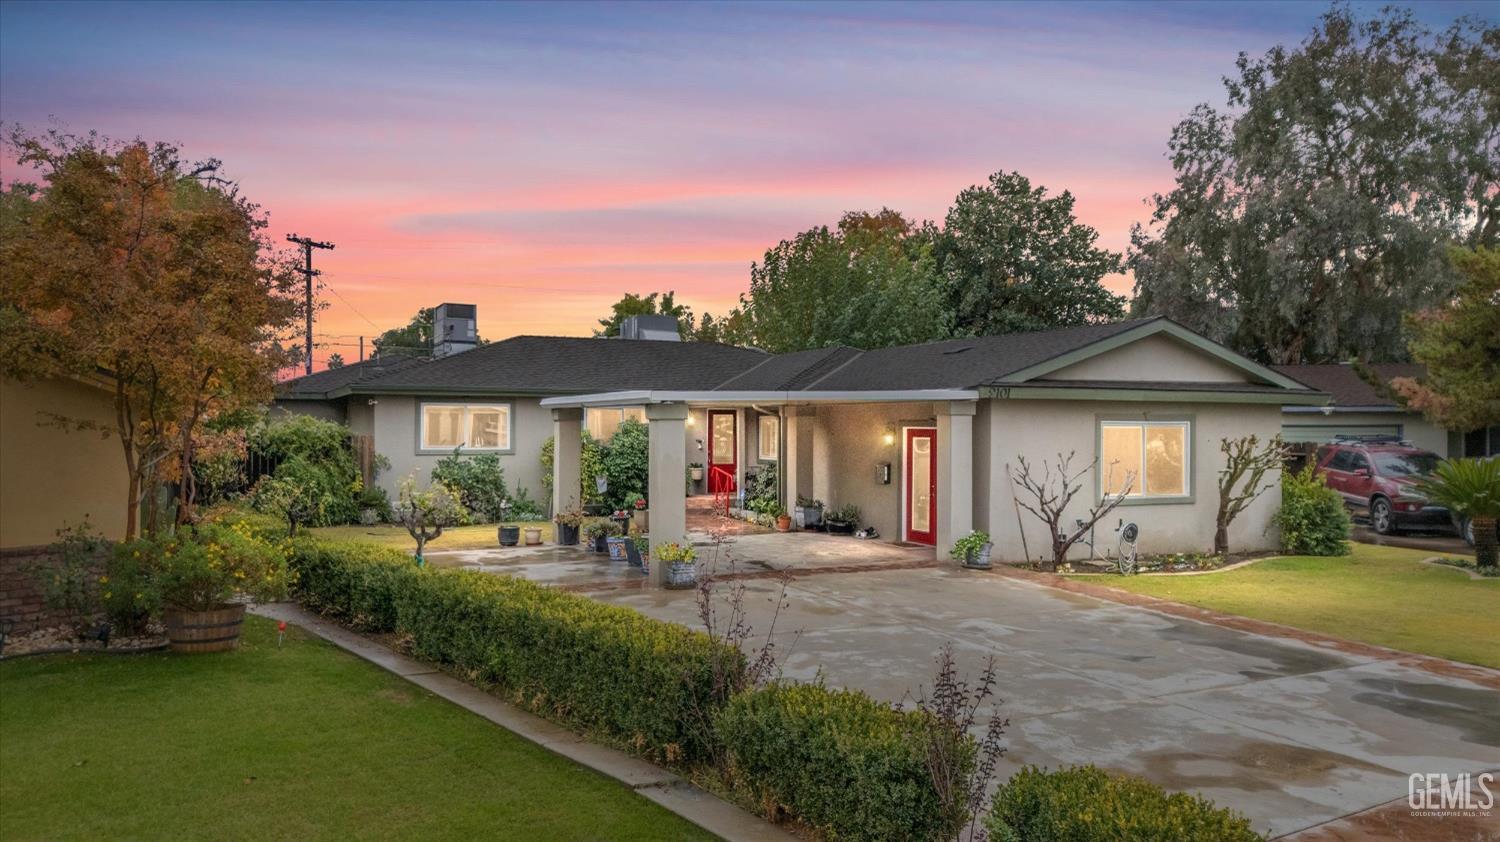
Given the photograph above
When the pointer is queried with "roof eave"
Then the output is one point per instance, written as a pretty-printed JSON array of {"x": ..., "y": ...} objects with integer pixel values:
[
  {"x": 708, "y": 396},
  {"x": 1022, "y": 391}
]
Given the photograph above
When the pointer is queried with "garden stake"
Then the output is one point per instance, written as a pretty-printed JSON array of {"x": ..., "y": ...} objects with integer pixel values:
[{"x": 280, "y": 633}]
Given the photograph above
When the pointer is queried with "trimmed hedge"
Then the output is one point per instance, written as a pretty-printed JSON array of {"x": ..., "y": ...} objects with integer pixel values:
[
  {"x": 845, "y": 764},
  {"x": 608, "y": 669},
  {"x": 1087, "y": 804}
]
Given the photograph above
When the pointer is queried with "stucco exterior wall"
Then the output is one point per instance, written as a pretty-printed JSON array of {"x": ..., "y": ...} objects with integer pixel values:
[
  {"x": 1411, "y": 426},
  {"x": 1043, "y": 429},
  {"x": 396, "y": 427},
  {"x": 326, "y": 410},
  {"x": 1153, "y": 358},
  {"x": 51, "y": 477},
  {"x": 849, "y": 444}
]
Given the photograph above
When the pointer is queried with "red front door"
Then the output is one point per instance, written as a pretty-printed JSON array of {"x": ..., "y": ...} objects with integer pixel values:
[
  {"x": 721, "y": 451},
  {"x": 921, "y": 486}
]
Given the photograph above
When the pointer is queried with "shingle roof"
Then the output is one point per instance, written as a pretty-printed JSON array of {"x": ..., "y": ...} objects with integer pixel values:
[
  {"x": 964, "y": 363},
  {"x": 320, "y": 383},
  {"x": 1344, "y": 383},
  {"x": 557, "y": 365}
]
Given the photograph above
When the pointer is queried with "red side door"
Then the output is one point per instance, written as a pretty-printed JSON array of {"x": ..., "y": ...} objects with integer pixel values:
[
  {"x": 921, "y": 486},
  {"x": 721, "y": 451}
]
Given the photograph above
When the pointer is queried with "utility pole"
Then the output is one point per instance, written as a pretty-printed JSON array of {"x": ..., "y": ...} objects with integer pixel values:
[
  {"x": 308, "y": 244},
  {"x": 361, "y": 349}
]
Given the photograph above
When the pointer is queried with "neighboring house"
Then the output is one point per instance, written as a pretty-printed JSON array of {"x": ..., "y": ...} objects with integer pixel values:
[
  {"x": 53, "y": 475},
  {"x": 1357, "y": 408},
  {"x": 920, "y": 438}
]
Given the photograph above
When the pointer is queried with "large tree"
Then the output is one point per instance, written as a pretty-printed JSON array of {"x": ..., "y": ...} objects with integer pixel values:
[
  {"x": 126, "y": 261},
  {"x": 1459, "y": 343},
  {"x": 654, "y": 304},
  {"x": 414, "y": 338},
  {"x": 1317, "y": 209},
  {"x": 1011, "y": 259},
  {"x": 868, "y": 283}
]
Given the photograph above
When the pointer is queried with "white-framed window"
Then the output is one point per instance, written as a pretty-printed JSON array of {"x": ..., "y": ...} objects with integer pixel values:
[
  {"x": 769, "y": 438},
  {"x": 1153, "y": 457},
  {"x": 470, "y": 426},
  {"x": 603, "y": 422}
]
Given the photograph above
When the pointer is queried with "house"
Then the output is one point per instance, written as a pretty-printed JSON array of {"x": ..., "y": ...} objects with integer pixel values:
[
  {"x": 54, "y": 474},
  {"x": 1357, "y": 408},
  {"x": 921, "y": 438}
]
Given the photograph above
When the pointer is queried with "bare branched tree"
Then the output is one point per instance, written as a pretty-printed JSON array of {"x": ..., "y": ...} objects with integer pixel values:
[
  {"x": 1243, "y": 479},
  {"x": 1053, "y": 491},
  {"x": 961, "y": 770},
  {"x": 722, "y": 610}
]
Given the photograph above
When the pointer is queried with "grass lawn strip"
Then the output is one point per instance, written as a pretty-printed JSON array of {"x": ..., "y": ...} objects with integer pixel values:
[
  {"x": 1383, "y": 596},
  {"x": 301, "y": 742},
  {"x": 480, "y": 536}
]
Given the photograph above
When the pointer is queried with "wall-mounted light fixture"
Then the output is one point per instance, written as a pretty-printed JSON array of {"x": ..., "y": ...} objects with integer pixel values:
[
  {"x": 889, "y": 438},
  {"x": 691, "y": 420}
]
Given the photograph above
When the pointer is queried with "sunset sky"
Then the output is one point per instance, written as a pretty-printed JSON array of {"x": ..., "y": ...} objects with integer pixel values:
[{"x": 540, "y": 160}]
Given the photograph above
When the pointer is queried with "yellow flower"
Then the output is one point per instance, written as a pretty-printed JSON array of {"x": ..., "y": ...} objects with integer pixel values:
[{"x": 103, "y": 580}]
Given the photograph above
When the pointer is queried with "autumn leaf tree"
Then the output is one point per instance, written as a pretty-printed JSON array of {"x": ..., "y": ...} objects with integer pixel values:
[
  {"x": 129, "y": 262},
  {"x": 1459, "y": 343}
]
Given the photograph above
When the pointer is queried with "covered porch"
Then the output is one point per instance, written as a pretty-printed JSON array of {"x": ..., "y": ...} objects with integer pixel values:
[{"x": 905, "y": 460}]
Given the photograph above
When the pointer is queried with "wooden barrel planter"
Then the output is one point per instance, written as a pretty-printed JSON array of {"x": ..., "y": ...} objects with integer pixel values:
[{"x": 216, "y": 630}]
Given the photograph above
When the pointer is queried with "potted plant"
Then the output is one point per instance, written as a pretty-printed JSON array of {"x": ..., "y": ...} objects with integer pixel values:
[
  {"x": 598, "y": 532},
  {"x": 808, "y": 513},
  {"x": 695, "y": 470},
  {"x": 843, "y": 520},
  {"x": 637, "y": 549},
  {"x": 680, "y": 558},
  {"x": 783, "y": 521},
  {"x": 510, "y": 534},
  {"x": 637, "y": 506},
  {"x": 374, "y": 505},
  {"x": 533, "y": 536},
  {"x": 568, "y": 524},
  {"x": 973, "y": 550},
  {"x": 199, "y": 572}
]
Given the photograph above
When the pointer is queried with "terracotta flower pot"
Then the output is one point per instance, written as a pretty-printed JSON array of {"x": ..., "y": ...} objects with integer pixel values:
[
  {"x": 533, "y": 536},
  {"x": 784, "y": 523}
]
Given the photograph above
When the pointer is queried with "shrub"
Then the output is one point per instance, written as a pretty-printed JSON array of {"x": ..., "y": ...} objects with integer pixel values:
[
  {"x": 478, "y": 480},
  {"x": 522, "y": 507},
  {"x": 763, "y": 491},
  {"x": 1312, "y": 518},
  {"x": 204, "y": 566},
  {"x": 849, "y": 766},
  {"x": 626, "y": 462},
  {"x": 300, "y": 492},
  {"x": 323, "y": 447},
  {"x": 1085, "y": 804},
  {"x": 606, "y": 668},
  {"x": 128, "y": 591},
  {"x": 70, "y": 576}
]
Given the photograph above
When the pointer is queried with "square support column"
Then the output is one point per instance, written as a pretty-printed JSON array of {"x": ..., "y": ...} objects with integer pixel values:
[
  {"x": 567, "y": 447},
  {"x": 798, "y": 446},
  {"x": 666, "y": 479},
  {"x": 955, "y": 445}
]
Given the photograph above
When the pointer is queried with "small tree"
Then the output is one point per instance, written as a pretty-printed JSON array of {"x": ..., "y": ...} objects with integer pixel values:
[
  {"x": 426, "y": 513},
  {"x": 1240, "y": 482},
  {"x": 1470, "y": 487},
  {"x": 294, "y": 493},
  {"x": 1051, "y": 495}
]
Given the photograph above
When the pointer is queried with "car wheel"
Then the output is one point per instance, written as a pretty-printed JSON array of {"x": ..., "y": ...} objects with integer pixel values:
[{"x": 1381, "y": 518}]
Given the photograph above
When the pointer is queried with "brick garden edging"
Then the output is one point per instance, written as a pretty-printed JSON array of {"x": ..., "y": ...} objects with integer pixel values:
[
  {"x": 22, "y": 597},
  {"x": 1427, "y": 663}
]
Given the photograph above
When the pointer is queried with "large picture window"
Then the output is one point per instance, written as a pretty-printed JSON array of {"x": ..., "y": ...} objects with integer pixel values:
[
  {"x": 603, "y": 422},
  {"x": 1152, "y": 456},
  {"x": 470, "y": 426},
  {"x": 769, "y": 437}
]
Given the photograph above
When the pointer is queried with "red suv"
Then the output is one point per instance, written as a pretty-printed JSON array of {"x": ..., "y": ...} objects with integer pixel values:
[{"x": 1377, "y": 477}]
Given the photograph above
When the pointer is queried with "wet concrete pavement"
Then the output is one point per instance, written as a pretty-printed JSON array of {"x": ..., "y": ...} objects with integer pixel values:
[{"x": 1292, "y": 733}]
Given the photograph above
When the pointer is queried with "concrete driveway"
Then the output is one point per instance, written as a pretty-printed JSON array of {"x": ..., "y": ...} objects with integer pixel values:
[{"x": 1291, "y": 734}]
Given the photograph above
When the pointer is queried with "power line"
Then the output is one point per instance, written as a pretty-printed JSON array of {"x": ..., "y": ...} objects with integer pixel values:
[{"x": 308, "y": 244}]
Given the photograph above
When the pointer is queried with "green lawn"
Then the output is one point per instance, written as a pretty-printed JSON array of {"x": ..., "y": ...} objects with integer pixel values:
[
  {"x": 1378, "y": 595},
  {"x": 480, "y": 536},
  {"x": 302, "y": 742}
]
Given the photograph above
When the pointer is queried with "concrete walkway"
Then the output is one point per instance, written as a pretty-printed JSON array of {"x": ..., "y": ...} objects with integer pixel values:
[
  {"x": 1293, "y": 734},
  {"x": 649, "y": 781}
]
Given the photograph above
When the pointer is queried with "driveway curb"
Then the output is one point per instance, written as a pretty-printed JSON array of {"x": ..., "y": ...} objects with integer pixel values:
[
  {"x": 651, "y": 782},
  {"x": 1427, "y": 663}
]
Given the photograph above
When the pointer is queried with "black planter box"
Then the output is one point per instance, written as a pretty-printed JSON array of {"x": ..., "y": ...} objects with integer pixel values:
[
  {"x": 838, "y": 528},
  {"x": 567, "y": 535},
  {"x": 510, "y": 536}
]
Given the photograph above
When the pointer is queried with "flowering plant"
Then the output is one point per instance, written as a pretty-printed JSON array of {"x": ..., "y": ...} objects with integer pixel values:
[
  {"x": 674, "y": 552},
  {"x": 204, "y": 566}
]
